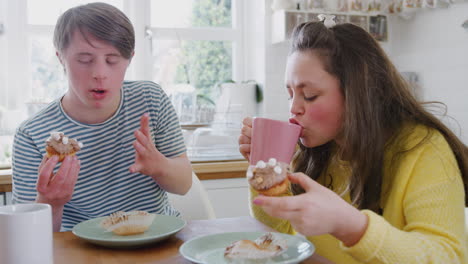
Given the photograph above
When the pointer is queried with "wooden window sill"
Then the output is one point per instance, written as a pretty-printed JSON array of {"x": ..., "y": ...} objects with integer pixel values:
[{"x": 215, "y": 170}]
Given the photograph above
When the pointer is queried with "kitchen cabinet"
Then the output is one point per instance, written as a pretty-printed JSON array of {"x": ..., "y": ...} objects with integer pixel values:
[
  {"x": 226, "y": 186},
  {"x": 284, "y": 21},
  {"x": 229, "y": 197}
]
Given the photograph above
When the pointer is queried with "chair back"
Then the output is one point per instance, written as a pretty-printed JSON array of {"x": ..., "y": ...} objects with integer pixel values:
[{"x": 195, "y": 204}]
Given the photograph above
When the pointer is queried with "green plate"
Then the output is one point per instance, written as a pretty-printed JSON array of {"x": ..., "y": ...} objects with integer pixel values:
[
  {"x": 162, "y": 227},
  {"x": 210, "y": 249}
]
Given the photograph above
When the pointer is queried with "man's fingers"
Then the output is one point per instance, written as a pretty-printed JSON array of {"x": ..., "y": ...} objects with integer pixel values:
[
  {"x": 44, "y": 159},
  {"x": 139, "y": 148},
  {"x": 141, "y": 137},
  {"x": 62, "y": 173},
  {"x": 144, "y": 124},
  {"x": 73, "y": 173},
  {"x": 135, "y": 168},
  {"x": 45, "y": 173}
]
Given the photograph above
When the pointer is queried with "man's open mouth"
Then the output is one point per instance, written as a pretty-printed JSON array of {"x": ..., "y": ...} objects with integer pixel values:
[{"x": 99, "y": 91}]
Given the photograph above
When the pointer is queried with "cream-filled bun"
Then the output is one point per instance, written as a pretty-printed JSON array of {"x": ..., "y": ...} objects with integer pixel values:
[
  {"x": 60, "y": 145},
  {"x": 269, "y": 178}
]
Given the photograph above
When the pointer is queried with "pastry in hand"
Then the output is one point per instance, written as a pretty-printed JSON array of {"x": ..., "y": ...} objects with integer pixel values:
[
  {"x": 269, "y": 178},
  {"x": 60, "y": 145},
  {"x": 128, "y": 223},
  {"x": 266, "y": 246}
]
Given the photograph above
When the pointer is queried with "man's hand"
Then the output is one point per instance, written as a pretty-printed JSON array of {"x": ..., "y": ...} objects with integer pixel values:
[
  {"x": 148, "y": 160},
  {"x": 57, "y": 189}
]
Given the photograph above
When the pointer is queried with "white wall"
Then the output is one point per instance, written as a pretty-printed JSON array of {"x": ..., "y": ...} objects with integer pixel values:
[
  {"x": 433, "y": 44},
  {"x": 275, "y": 94}
]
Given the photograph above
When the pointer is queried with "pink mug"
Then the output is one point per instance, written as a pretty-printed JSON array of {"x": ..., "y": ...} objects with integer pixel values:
[{"x": 273, "y": 139}]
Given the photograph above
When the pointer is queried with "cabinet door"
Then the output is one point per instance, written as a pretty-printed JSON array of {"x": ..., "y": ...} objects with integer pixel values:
[{"x": 229, "y": 197}]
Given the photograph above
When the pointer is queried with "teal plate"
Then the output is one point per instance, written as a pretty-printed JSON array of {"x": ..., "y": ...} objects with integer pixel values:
[
  {"x": 210, "y": 249},
  {"x": 162, "y": 227}
]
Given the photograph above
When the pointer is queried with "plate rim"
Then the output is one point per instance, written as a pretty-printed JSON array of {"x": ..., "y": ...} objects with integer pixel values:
[
  {"x": 184, "y": 245},
  {"x": 128, "y": 239}
]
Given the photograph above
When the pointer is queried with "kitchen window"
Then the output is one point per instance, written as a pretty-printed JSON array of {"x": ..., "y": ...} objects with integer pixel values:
[{"x": 187, "y": 46}]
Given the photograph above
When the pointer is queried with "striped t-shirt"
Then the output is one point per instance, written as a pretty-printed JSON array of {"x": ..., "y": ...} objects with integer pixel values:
[{"x": 104, "y": 183}]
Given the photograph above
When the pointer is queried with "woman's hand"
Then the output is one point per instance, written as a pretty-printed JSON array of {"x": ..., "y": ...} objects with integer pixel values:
[
  {"x": 245, "y": 137},
  {"x": 148, "y": 159},
  {"x": 57, "y": 189},
  {"x": 317, "y": 211}
]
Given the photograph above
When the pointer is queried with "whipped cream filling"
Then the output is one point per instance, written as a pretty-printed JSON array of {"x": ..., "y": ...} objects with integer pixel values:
[
  {"x": 265, "y": 175},
  {"x": 63, "y": 144}
]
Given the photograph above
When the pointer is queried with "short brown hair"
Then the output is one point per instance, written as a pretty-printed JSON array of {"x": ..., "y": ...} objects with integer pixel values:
[{"x": 101, "y": 20}]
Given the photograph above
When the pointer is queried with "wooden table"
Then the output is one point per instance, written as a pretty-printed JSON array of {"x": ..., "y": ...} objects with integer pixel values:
[{"x": 70, "y": 249}]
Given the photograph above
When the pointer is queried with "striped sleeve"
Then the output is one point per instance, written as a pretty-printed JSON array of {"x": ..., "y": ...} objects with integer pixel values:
[{"x": 26, "y": 161}]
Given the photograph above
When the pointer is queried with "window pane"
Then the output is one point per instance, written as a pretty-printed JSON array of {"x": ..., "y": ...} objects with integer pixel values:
[
  {"x": 48, "y": 81},
  {"x": 189, "y": 70},
  {"x": 191, "y": 13},
  {"x": 46, "y": 12}
]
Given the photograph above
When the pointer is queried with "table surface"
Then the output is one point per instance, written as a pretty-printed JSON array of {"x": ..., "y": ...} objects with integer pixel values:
[{"x": 70, "y": 249}]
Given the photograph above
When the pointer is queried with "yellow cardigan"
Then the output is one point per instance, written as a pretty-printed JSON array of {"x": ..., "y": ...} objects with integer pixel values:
[{"x": 423, "y": 209}]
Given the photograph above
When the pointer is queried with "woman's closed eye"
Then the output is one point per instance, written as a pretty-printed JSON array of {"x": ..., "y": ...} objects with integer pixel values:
[{"x": 310, "y": 98}]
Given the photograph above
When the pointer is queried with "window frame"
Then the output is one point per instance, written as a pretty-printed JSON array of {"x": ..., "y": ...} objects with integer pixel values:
[
  {"x": 139, "y": 13},
  {"x": 15, "y": 69}
]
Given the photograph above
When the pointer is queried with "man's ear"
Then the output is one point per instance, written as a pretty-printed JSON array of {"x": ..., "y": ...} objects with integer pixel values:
[
  {"x": 131, "y": 57},
  {"x": 61, "y": 62},
  {"x": 59, "y": 57}
]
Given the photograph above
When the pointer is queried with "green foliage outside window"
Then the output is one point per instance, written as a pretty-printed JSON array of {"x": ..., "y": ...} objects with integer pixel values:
[{"x": 207, "y": 62}]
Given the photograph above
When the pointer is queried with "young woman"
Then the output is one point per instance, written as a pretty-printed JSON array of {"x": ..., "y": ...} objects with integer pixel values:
[
  {"x": 378, "y": 179},
  {"x": 133, "y": 146}
]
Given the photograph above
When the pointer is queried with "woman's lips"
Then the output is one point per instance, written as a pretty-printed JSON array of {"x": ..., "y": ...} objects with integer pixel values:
[{"x": 294, "y": 121}]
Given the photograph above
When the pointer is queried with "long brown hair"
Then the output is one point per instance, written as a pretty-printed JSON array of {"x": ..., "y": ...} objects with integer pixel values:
[{"x": 378, "y": 102}]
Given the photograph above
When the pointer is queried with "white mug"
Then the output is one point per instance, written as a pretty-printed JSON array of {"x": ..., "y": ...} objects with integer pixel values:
[{"x": 26, "y": 234}]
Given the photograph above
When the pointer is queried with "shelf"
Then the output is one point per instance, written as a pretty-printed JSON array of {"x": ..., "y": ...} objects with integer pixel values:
[{"x": 284, "y": 21}]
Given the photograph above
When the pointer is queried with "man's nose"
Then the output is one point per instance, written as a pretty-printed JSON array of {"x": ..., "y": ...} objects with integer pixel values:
[{"x": 100, "y": 70}]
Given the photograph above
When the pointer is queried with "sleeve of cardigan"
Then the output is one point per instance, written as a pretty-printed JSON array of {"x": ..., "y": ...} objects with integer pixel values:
[
  {"x": 433, "y": 207},
  {"x": 280, "y": 225}
]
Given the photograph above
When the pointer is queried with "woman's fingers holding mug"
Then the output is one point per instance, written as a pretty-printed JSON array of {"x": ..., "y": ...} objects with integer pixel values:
[
  {"x": 247, "y": 121},
  {"x": 243, "y": 140},
  {"x": 244, "y": 149},
  {"x": 246, "y": 131}
]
